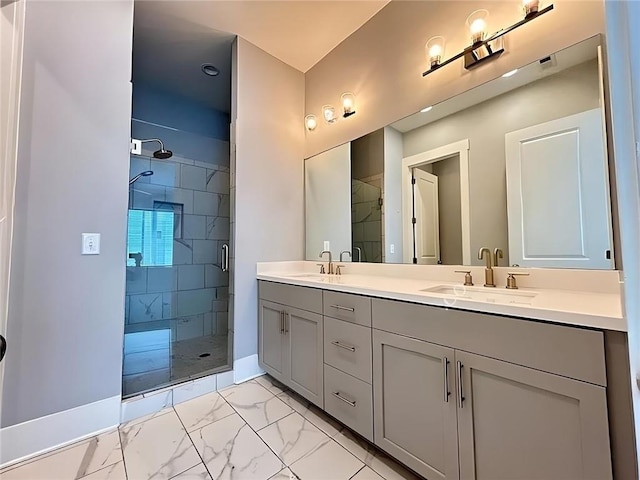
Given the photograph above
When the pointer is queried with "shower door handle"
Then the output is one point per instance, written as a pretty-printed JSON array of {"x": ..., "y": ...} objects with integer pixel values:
[
  {"x": 225, "y": 257},
  {"x": 3, "y": 347}
]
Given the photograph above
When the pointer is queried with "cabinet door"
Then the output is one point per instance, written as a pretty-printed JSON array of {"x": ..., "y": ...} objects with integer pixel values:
[
  {"x": 414, "y": 404},
  {"x": 518, "y": 423},
  {"x": 272, "y": 342},
  {"x": 303, "y": 331}
]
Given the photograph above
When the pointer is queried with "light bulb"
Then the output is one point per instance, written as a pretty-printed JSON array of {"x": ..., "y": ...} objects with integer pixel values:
[
  {"x": 348, "y": 104},
  {"x": 329, "y": 114},
  {"x": 477, "y": 23},
  {"x": 435, "y": 51},
  {"x": 311, "y": 122},
  {"x": 530, "y": 7}
]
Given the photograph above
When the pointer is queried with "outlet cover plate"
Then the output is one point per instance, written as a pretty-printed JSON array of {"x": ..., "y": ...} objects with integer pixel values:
[{"x": 91, "y": 244}]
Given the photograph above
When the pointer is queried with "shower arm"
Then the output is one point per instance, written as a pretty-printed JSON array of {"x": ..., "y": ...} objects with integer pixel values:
[{"x": 153, "y": 140}]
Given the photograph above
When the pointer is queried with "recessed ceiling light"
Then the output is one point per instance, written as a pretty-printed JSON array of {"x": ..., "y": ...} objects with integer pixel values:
[
  {"x": 426, "y": 109},
  {"x": 509, "y": 74},
  {"x": 210, "y": 70}
]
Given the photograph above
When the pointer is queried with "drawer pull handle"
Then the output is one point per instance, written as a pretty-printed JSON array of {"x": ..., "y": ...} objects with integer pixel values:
[
  {"x": 340, "y": 307},
  {"x": 346, "y": 347},
  {"x": 337, "y": 395}
]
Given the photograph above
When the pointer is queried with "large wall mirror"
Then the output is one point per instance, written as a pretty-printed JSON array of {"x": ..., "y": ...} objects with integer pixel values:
[{"x": 519, "y": 163}]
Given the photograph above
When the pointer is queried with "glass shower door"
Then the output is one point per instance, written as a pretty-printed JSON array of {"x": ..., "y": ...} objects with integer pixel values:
[{"x": 176, "y": 310}]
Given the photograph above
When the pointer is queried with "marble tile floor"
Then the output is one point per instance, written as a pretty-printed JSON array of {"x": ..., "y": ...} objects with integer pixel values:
[{"x": 257, "y": 430}]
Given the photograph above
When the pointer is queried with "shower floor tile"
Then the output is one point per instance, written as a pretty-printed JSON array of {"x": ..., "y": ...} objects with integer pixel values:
[{"x": 188, "y": 358}]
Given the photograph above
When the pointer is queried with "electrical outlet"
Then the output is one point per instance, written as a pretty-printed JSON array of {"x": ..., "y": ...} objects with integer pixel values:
[
  {"x": 326, "y": 245},
  {"x": 392, "y": 248},
  {"x": 91, "y": 244}
]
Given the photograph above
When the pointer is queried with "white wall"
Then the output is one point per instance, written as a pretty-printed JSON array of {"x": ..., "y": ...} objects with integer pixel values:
[
  {"x": 267, "y": 179},
  {"x": 66, "y": 310},
  {"x": 328, "y": 202},
  {"x": 382, "y": 62},
  {"x": 623, "y": 37},
  {"x": 392, "y": 196}
]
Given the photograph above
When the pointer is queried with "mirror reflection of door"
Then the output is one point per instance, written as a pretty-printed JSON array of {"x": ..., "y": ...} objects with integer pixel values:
[
  {"x": 425, "y": 224},
  {"x": 557, "y": 194}
]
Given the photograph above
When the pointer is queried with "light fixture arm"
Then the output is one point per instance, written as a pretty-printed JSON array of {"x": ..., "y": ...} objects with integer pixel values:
[{"x": 469, "y": 51}]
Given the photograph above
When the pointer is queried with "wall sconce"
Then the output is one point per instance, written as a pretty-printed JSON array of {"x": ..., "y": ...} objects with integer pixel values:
[
  {"x": 348, "y": 104},
  {"x": 484, "y": 47},
  {"x": 311, "y": 122},
  {"x": 435, "y": 51},
  {"x": 329, "y": 114}
]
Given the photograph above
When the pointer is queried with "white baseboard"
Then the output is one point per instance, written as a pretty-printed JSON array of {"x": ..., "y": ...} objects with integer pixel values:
[
  {"x": 40, "y": 435},
  {"x": 246, "y": 368}
]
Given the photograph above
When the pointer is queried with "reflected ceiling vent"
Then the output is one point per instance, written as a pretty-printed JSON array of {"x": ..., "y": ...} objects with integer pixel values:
[{"x": 548, "y": 62}]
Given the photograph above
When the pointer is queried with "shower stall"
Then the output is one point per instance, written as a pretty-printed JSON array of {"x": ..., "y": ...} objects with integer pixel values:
[{"x": 177, "y": 289}]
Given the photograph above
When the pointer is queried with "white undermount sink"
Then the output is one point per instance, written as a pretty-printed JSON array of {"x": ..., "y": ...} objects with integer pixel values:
[
  {"x": 309, "y": 276},
  {"x": 483, "y": 294}
]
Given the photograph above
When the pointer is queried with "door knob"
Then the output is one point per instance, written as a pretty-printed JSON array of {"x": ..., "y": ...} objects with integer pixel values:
[{"x": 3, "y": 347}]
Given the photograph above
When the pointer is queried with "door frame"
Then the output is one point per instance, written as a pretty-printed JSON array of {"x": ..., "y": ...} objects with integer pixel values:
[{"x": 460, "y": 148}]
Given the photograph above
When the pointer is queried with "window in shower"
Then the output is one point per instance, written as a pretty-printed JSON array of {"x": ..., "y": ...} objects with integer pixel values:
[{"x": 150, "y": 238}]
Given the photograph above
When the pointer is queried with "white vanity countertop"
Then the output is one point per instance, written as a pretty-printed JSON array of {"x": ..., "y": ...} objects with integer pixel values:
[{"x": 595, "y": 303}]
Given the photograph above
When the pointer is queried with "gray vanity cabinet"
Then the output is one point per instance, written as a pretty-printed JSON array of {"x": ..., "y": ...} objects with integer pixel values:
[
  {"x": 415, "y": 404},
  {"x": 290, "y": 338},
  {"x": 518, "y": 423}
]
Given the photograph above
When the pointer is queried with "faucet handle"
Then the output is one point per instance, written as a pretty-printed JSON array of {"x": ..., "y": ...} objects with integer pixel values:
[
  {"x": 468, "y": 279},
  {"x": 321, "y": 265},
  {"x": 338, "y": 272},
  {"x": 511, "y": 280}
]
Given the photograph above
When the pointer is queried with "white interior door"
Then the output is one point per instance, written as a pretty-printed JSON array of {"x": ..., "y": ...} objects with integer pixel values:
[
  {"x": 558, "y": 194},
  {"x": 11, "y": 35},
  {"x": 426, "y": 227}
]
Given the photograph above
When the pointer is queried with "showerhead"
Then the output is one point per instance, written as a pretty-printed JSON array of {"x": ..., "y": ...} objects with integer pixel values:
[
  {"x": 146, "y": 173},
  {"x": 162, "y": 154}
]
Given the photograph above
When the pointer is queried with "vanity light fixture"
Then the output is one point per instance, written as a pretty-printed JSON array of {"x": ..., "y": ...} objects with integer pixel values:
[
  {"x": 311, "y": 122},
  {"x": 484, "y": 47},
  {"x": 510, "y": 74},
  {"x": 329, "y": 114},
  {"x": 348, "y": 104},
  {"x": 426, "y": 109}
]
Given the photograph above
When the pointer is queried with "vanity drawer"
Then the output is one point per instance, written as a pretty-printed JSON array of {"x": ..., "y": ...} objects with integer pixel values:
[
  {"x": 347, "y": 347},
  {"x": 349, "y": 400},
  {"x": 351, "y": 308},
  {"x": 304, "y": 298}
]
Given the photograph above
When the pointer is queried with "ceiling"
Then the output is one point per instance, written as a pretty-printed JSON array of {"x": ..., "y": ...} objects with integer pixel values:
[{"x": 172, "y": 39}]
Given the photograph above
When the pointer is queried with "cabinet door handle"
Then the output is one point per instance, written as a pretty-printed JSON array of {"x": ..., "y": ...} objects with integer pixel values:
[
  {"x": 281, "y": 323},
  {"x": 460, "y": 388},
  {"x": 286, "y": 323},
  {"x": 340, "y": 307},
  {"x": 349, "y": 402},
  {"x": 341, "y": 345},
  {"x": 445, "y": 372}
]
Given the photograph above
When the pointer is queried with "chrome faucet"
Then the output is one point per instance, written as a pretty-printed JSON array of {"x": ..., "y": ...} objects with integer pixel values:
[
  {"x": 488, "y": 272},
  {"x": 343, "y": 252},
  {"x": 330, "y": 265}
]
